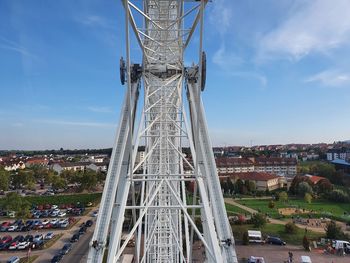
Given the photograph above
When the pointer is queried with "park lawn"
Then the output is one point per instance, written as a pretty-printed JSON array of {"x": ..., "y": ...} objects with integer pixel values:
[
  {"x": 277, "y": 230},
  {"x": 232, "y": 209},
  {"x": 31, "y": 259},
  {"x": 321, "y": 207}
]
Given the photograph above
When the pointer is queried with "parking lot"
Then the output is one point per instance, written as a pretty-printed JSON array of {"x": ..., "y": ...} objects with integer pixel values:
[{"x": 20, "y": 235}]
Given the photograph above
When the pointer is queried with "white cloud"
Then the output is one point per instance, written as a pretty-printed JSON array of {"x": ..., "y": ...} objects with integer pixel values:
[
  {"x": 221, "y": 16},
  {"x": 11, "y": 45},
  {"x": 226, "y": 59},
  {"x": 316, "y": 26},
  {"x": 100, "y": 109},
  {"x": 332, "y": 78},
  {"x": 76, "y": 123}
]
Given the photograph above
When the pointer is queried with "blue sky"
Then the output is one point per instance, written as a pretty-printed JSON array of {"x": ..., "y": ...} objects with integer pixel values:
[{"x": 278, "y": 72}]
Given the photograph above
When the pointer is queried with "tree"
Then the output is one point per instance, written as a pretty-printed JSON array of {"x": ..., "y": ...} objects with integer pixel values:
[
  {"x": 251, "y": 186},
  {"x": 308, "y": 198},
  {"x": 324, "y": 186},
  {"x": 15, "y": 203},
  {"x": 304, "y": 188},
  {"x": 57, "y": 182},
  {"x": 283, "y": 196},
  {"x": 290, "y": 228},
  {"x": 296, "y": 181},
  {"x": 339, "y": 196},
  {"x": 258, "y": 220},
  {"x": 333, "y": 231},
  {"x": 4, "y": 180},
  {"x": 245, "y": 238},
  {"x": 306, "y": 243},
  {"x": 271, "y": 204}
]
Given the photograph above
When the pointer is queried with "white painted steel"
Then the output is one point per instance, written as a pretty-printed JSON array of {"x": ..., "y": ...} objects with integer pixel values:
[{"x": 161, "y": 221}]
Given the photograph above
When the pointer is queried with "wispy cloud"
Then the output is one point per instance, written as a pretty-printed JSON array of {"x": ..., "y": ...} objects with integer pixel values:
[
  {"x": 17, "y": 124},
  {"x": 331, "y": 78},
  {"x": 226, "y": 59},
  {"x": 95, "y": 21},
  {"x": 13, "y": 46},
  {"x": 100, "y": 109},
  {"x": 221, "y": 16},
  {"x": 76, "y": 123},
  {"x": 316, "y": 26}
]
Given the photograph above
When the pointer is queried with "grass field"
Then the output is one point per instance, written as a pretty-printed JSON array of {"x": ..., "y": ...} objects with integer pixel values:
[
  {"x": 31, "y": 259},
  {"x": 320, "y": 207},
  {"x": 60, "y": 199},
  {"x": 232, "y": 209},
  {"x": 277, "y": 230}
]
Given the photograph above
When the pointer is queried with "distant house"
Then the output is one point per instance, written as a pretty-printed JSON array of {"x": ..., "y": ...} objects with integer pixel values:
[
  {"x": 37, "y": 161},
  {"x": 276, "y": 165},
  {"x": 226, "y": 165},
  {"x": 315, "y": 179},
  {"x": 78, "y": 166},
  {"x": 98, "y": 167},
  {"x": 335, "y": 154},
  {"x": 263, "y": 181},
  {"x": 13, "y": 165},
  {"x": 98, "y": 159}
]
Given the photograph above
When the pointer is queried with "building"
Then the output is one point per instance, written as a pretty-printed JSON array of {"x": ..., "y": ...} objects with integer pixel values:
[
  {"x": 276, "y": 165},
  {"x": 98, "y": 159},
  {"x": 37, "y": 161},
  {"x": 227, "y": 165},
  {"x": 272, "y": 165},
  {"x": 13, "y": 165},
  {"x": 79, "y": 166},
  {"x": 98, "y": 167},
  {"x": 337, "y": 154},
  {"x": 263, "y": 181}
]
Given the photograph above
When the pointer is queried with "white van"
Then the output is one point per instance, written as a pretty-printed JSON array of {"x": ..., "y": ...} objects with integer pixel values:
[
  {"x": 255, "y": 236},
  {"x": 305, "y": 259},
  {"x": 343, "y": 245}
]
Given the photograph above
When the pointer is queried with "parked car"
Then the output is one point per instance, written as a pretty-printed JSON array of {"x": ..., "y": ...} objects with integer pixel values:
[
  {"x": 89, "y": 223},
  {"x": 5, "y": 239},
  {"x": 13, "y": 245},
  {"x": 49, "y": 235},
  {"x": 45, "y": 221},
  {"x": 54, "y": 221},
  {"x": 66, "y": 248},
  {"x": 4, "y": 246},
  {"x": 75, "y": 238},
  {"x": 95, "y": 213},
  {"x": 82, "y": 230},
  {"x": 256, "y": 260},
  {"x": 13, "y": 259},
  {"x": 275, "y": 241},
  {"x": 64, "y": 225},
  {"x": 12, "y": 228},
  {"x": 61, "y": 214},
  {"x": 37, "y": 244},
  {"x": 29, "y": 238},
  {"x": 56, "y": 258},
  {"x": 38, "y": 237},
  {"x": 23, "y": 245}
]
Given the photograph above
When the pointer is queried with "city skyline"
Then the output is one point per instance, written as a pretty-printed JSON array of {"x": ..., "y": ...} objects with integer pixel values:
[{"x": 270, "y": 80}]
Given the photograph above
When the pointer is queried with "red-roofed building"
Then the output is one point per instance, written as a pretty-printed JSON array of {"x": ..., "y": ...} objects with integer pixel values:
[
  {"x": 37, "y": 161},
  {"x": 315, "y": 179},
  {"x": 227, "y": 165}
]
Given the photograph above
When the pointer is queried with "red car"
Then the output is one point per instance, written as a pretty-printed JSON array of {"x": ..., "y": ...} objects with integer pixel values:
[
  {"x": 48, "y": 225},
  {"x": 5, "y": 239}
]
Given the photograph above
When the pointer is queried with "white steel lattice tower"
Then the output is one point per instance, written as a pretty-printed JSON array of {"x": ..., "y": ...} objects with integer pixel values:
[{"x": 155, "y": 200}]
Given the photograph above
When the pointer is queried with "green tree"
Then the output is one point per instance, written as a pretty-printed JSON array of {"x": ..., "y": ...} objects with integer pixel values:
[
  {"x": 333, "y": 231},
  {"x": 283, "y": 196},
  {"x": 306, "y": 243},
  {"x": 15, "y": 203},
  {"x": 57, "y": 182},
  {"x": 245, "y": 238},
  {"x": 258, "y": 220},
  {"x": 271, "y": 204},
  {"x": 4, "y": 179},
  {"x": 304, "y": 188},
  {"x": 290, "y": 228},
  {"x": 308, "y": 198}
]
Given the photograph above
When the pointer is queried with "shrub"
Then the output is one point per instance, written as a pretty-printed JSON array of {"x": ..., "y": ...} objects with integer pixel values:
[
  {"x": 304, "y": 188},
  {"x": 306, "y": 243},
  {"x": 308, "y": 198},
  {"x": 283, "y": 196},
  {"x": 258, "y": 220},
  {"x": 245, "y": 238},
  {"x": 271, "y": 204},
  {"x": 339, "y": 196},
  {"x": 290, "y": 228},
  {"x": 333, "y": 231}
]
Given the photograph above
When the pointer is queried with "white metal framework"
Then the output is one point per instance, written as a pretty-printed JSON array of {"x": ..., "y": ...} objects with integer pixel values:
[{"x": 162, "y": 211}]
